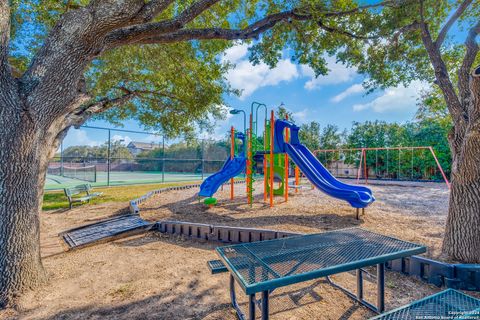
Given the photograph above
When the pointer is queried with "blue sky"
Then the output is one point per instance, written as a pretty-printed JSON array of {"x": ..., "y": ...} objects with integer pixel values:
[{"x": 337, "y": 98}]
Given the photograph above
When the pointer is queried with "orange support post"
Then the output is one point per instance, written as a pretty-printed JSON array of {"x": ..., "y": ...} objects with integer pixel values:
[
  {"x": 439, "y": 167},
  {"x": 249, "y": 161},
  {"x": 232, "y": 154},
  {"x": 360, "y": 167},
  {"x": 286, "y": 164},
  {"x": 365, "y": 170},
  {"x": 265, "y": 162},
  {"x": 297, "y": 178},
  {"x": 272, "y": 123},
  {"x": 247, "y": 169}
]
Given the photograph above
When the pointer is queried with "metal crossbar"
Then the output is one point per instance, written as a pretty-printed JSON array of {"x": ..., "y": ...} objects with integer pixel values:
[
  {"x": 266, "y": 265},
  {"x": 448, "y": 304}
]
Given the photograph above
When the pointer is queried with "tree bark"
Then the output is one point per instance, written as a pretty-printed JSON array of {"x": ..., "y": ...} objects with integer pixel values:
[
  {"x": 462, "y": 236},
  {"x": 23, "y": 164}
]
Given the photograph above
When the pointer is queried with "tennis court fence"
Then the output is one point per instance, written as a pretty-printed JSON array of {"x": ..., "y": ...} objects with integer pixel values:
[{"x": 125, "y": 157}]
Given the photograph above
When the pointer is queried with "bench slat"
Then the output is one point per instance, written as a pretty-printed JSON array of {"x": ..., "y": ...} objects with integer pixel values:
[{"x": 216, "y": 266}]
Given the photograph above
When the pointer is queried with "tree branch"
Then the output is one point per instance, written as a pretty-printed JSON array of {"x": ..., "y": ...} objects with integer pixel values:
[
  {"x": 390, "y": 3},
  {"x": 471, "y": 51},
  {"x": 248, "y": 32},
  {"x": 151, "y": 9},
  {"x": 134, "y": 33},
  {"x": 468, "y": 60},
  {"x": 443, "y": 32},
  {"x": 410, "y": 27},
  {"x": 79, "y": 116},
  {"x": 171, "y": 30},
  {"x": 344, "y": 32},
  {"x": 441, "y": 72}
]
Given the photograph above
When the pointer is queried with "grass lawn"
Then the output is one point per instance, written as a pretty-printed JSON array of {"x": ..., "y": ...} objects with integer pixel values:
[{"x": 53, "y": 200}]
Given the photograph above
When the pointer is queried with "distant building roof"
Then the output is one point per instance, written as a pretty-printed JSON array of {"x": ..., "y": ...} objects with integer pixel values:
[{"x": 143, "y": 145}]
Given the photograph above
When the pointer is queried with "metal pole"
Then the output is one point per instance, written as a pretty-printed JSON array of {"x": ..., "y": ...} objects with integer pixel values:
[
  {"x": 163, "y": 158},
  {"x": 251, "y": 306},
  {"x": 272, "y": 123},
  {"x": 61, "y": 159},
  {"x": 387, "y": 164},
  {"x": 398, "y": 164},
  {"x": 440, "y": 168},
  {"x": 376, "y": 163},
  {"x": 108, "y": 158},
  {"x": 411, "y": 171},
  {"x": 232, "y": 154},
  {"x": 286, "y": 163},
  {"x": 203, "y": 158},
  {"x": 265, "y": 305},
  {"x": 365, "y": 170},
  {"x": 380, "y": 287},
  {"x": 359, "y": 284}
]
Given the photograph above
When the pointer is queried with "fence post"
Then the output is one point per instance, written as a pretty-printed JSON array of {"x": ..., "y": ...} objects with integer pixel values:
[
  {"x": 203, "y": 157},
  {"x": 61, "y": 159},
  {"x": 108, "y": 158},
  {"x": 163, "y": 158}
]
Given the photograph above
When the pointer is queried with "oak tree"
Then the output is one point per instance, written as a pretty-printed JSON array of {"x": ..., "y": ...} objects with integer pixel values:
[{"x": 63, "y": 62}]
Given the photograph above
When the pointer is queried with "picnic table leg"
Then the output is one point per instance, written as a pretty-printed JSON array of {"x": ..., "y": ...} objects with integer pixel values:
[
  {"x": 265, "y": 305},
  {"x": 359, "y": 284},
  {"x": 233, "y": 298},
  {"x": 251, "y": 307},
  {"x": 380, "y": 287}
]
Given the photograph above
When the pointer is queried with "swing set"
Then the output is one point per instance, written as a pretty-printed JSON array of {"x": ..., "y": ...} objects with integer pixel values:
[{"x": 386, "y": 163}]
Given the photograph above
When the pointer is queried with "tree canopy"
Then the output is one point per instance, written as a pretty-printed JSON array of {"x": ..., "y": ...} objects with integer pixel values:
[{"x": 155, "y": 76}]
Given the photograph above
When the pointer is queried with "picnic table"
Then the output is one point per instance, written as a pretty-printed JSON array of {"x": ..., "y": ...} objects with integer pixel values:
[{"x": 261, "y": 267}]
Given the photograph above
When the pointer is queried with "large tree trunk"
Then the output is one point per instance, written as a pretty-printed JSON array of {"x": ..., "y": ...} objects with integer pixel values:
[
  {"x": 462, "y": 232},
  {"x": 24, "y": 151}
]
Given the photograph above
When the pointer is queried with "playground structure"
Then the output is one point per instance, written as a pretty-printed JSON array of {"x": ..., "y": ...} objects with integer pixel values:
[
  {"x": 416, "y": 163},
  {"x": 280, "y": 145}
]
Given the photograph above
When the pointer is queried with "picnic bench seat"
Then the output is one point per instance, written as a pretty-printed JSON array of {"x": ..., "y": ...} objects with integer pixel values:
[
  {"x": 216, "y": 266},
  {"x": 73, "y": 192},
  {"x": 447, "y": 304}
]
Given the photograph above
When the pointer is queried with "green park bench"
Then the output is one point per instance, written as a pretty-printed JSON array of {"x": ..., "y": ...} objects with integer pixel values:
[{"x": 74, "y": 192}]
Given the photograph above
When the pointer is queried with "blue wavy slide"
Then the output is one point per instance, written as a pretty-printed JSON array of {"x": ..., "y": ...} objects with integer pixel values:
[
  {"x": 357, "y": 196},
  {"x": 231, "y": 168}
]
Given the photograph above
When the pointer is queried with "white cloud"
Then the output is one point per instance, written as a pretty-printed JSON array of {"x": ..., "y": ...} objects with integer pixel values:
[
  {"x": 153, "y": 138},
  {"x": 80, "y": 137},
  {"x": 235, "y": 53},
  {"x": 395, "y": 99},
  {"x": 339, "y": 73},
  {"x": 124, "y": 139},
  {"x": 300, "y": 116},
  {"x": 247, "y": 77},
  {"x": 354, "y": 89}
]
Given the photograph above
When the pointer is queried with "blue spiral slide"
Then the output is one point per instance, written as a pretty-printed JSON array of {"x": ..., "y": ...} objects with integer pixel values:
[{"x": 357, "y": 196}]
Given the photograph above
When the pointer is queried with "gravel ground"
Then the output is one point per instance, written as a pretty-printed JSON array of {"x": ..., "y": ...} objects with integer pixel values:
[{"x": 155, "y": 276}]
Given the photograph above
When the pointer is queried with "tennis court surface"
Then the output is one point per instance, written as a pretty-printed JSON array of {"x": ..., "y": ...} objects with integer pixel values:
[{"x": 56, "y": 181}]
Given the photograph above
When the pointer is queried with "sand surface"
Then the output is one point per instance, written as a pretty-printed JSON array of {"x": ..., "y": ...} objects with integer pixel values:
[{"x": 155, "y": 276}]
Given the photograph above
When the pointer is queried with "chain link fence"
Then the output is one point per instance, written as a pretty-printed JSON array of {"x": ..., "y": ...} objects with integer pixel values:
[{"x": 109, "y": 157}]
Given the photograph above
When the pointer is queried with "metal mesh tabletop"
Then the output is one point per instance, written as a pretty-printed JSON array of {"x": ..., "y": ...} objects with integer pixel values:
[
  {"x": 266, "y": 265},
  {"x": 448, "y": 304}
]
